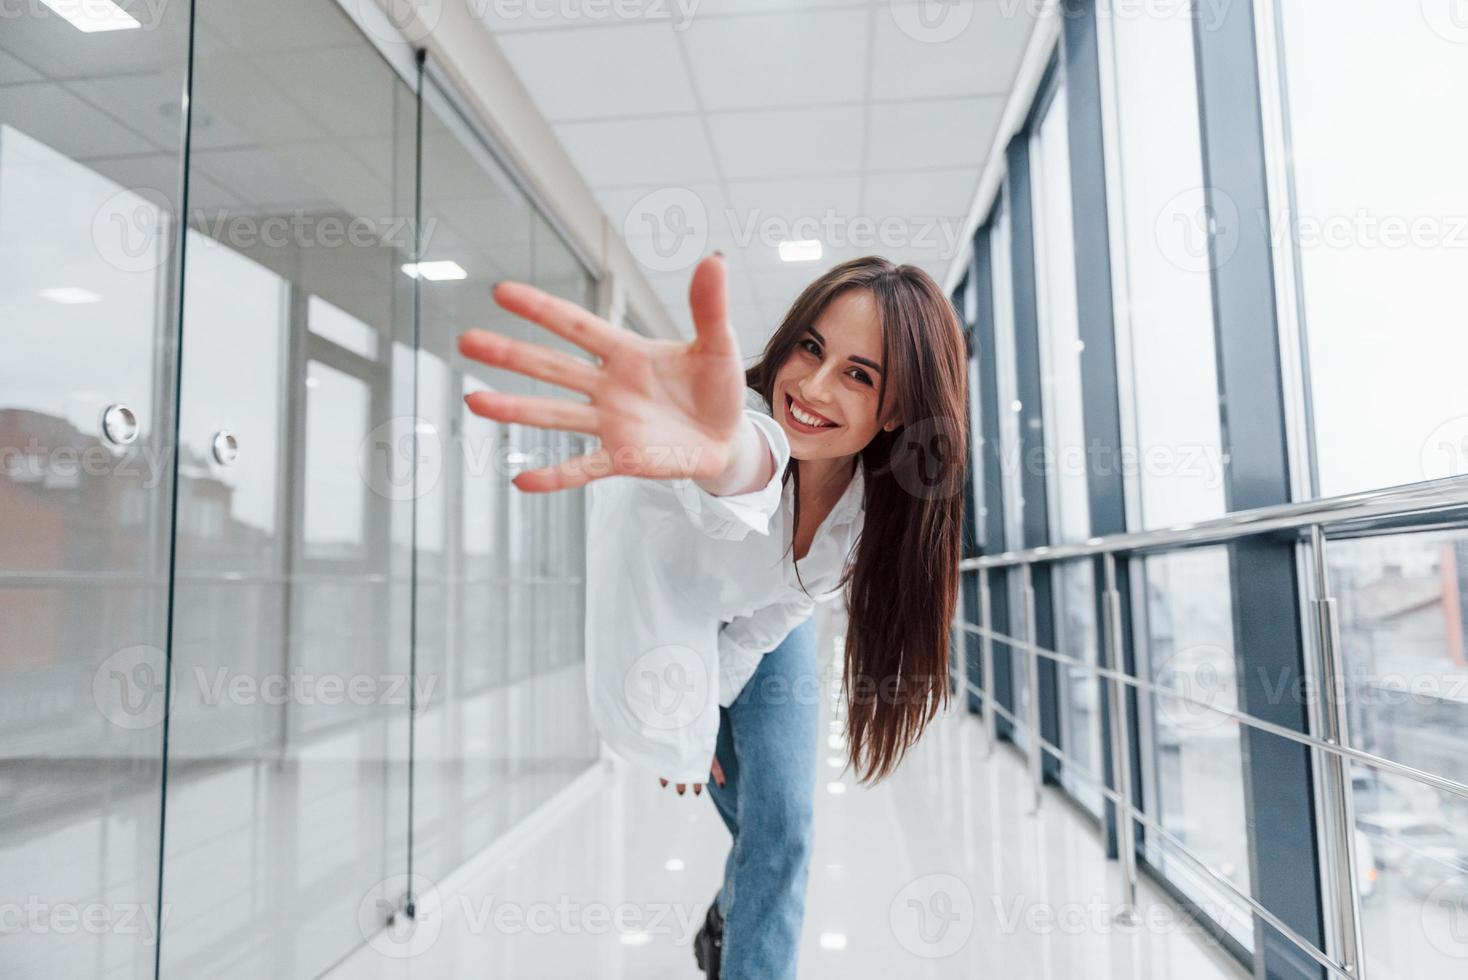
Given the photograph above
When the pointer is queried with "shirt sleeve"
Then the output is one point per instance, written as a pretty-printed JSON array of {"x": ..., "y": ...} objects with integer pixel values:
[
  {"x": 745, "y": 640},
  {"x": 732, "y": 517}
]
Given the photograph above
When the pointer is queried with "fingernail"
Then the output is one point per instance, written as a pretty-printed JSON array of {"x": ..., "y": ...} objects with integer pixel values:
[
  {"x": 680, "y": 790},
  {"x": 662, "y": 782},
  {"x": 698, "y": 791},
  {"x": 719, "y": 253}
]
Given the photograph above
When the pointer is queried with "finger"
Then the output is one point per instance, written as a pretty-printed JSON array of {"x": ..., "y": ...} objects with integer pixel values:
[
  {"x": 718, "y": 772},
  {"x": 544, "y": 413},
  {"x": 564, "y": 319},
  {"x": 663, "y": 781},
  {"x": 572, "y": 473},
  {"x": 698, "y": 789},
  {"x": 709, "y": 299},
  {"x": 531, "y": 360},
  {"x": 681, "y": 788}
]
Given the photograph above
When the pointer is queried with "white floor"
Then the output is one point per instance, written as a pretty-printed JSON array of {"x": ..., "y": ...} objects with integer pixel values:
[{"x": 938, "y": 872}]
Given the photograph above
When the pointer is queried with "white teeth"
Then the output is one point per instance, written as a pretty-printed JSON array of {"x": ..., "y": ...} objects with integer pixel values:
[{"x": 804, "y": 417}]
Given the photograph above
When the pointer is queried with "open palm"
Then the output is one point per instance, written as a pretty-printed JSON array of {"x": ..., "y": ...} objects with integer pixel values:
[{"x": 661, "y": 409}]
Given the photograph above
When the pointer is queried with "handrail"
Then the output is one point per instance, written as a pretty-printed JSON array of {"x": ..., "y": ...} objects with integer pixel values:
[{"x": 1449, "y": 493}]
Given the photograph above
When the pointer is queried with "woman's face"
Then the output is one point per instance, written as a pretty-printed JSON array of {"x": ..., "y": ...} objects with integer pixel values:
[{"x": 832, "y": 378}]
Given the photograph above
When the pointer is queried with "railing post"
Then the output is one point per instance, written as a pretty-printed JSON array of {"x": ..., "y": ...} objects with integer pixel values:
[
  {"x": 1033, "y": 661},
  {"x": 986, "y": 640},
  {"x": 1340, "y": 818},
  {"x": 1121, "y": 750}
]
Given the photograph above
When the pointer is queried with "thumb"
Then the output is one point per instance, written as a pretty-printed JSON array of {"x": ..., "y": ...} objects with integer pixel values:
[{"x": 708, "y": 296}]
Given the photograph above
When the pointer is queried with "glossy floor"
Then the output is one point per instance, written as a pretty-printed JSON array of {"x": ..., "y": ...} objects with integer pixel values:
[{"x": 938, "y": 872}]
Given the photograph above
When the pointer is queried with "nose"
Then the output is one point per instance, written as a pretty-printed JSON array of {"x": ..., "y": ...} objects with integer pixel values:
[{"x": 816, "y": 386}]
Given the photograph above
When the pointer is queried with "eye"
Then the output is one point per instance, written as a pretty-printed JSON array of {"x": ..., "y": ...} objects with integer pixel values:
[
  {"x": 861, "y": 376},
  {"x": 811, "y": 347}
]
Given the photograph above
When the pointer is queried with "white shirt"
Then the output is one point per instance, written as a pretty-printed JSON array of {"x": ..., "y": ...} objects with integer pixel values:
[{"x": 686, "y": 591}]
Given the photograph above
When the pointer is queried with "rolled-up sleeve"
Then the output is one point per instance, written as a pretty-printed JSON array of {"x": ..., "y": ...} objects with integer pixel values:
[{"x": 734, "y": 516}]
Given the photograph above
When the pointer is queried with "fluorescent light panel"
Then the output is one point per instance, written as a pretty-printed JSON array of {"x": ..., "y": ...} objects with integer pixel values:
[
  {"x": 801, "y": 250},
  {"x": 91, "y": 16},
  {"x": 440, "y": 271}
]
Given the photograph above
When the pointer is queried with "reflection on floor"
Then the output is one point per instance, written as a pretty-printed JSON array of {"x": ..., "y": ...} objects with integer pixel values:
[{"x": 937, "y": 873}]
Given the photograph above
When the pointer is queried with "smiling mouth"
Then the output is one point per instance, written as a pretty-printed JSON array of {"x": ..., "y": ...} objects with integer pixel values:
[{"x": 805, "y": 417}]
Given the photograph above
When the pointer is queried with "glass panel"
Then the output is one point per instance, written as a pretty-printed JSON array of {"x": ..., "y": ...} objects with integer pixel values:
[
  {"x": 90, "y": 147},
  {"x": 1166, "y": 307},
  {"x": 1193, "y": 768},
  {"x": 1383, "y": 243},
  {"x": 1403, "y": 602},
  {"x": 1066, "y": 461},
  {"x": 500, "y": 571},
  {"x": 287, "y": 812}
]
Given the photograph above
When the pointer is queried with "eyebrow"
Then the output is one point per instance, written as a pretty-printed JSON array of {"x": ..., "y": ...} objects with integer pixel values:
[{"x": 850, "y": 357}]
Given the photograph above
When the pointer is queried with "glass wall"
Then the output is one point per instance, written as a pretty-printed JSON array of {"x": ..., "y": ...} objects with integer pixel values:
[
  {"x": 1382, "y": 243},
  {"x": 352, "y": 649}
]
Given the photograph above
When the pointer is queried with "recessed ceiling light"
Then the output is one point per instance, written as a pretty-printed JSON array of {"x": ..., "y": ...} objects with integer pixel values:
[
  {"x": 802, "y": 250},
  {"x": 439, "y": 271},
  {"x": 833, "y": 940},
  {"x": 91, "y": 16},
  {"x": 70, "y": 295},
  {"x": 674, "y": 864}
]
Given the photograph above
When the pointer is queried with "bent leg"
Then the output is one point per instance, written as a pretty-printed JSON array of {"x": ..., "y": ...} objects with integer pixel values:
[{"x": 774, "y": 726}]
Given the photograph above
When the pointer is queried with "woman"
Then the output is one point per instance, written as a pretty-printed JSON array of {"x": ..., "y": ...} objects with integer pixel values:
[{"x": 845, "y": 464}]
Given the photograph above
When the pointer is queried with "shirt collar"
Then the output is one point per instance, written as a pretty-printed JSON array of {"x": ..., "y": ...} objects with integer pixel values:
[{"x": 851, "y": 502}]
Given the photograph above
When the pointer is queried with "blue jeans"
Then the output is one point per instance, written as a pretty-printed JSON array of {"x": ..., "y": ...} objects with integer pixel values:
[{"x": 768, "y": 741}]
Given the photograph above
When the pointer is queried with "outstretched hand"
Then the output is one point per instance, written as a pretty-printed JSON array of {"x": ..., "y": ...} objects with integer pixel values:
[{"x": 662, "y": 409}]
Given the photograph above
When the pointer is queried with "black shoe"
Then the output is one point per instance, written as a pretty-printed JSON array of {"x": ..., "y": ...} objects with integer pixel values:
[{"x": 708, "y": 945}]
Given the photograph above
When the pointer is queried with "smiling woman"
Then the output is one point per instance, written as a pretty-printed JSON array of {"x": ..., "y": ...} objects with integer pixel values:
[{"x": 723, "y": 506}]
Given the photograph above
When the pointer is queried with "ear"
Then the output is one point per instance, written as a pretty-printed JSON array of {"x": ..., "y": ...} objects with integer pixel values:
[{"x": 892, "y": 425}]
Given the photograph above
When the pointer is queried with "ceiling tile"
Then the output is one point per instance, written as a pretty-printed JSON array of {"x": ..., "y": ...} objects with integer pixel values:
[
  {"x": 921, "y": 192},
  {"x": 791, "y": 59},
  {"x": 970, "y": 47},
  {"x": 788, "y": 142},
  {"x": 934, "y": 133},
  {"x": 665, "y": 149},
  {"x": 601, "y": 72}
]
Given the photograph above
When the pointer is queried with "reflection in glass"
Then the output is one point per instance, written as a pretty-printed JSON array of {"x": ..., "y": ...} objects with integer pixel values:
[
  {"x": 1193, "y": 771},
  {"x": 1403, "y": 602}
]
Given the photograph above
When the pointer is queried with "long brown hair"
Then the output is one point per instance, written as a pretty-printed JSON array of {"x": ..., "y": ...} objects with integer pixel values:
[{"x": 901, "y": 584}]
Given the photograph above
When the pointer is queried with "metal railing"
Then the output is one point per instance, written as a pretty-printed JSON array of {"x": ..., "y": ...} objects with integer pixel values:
[{"x": 1406, "y": 508}]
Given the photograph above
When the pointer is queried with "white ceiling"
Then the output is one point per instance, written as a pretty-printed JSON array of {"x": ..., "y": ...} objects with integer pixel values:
[{"x": 868, "y": 120}]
